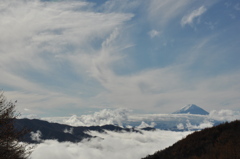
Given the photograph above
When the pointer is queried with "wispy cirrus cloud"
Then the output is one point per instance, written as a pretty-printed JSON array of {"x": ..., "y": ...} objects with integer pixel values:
[
  {"x": 188, "y": 19},
  {"x": 237, "y": 7},
  {"x": 77, "y": 54},
  {"x": 49, "y": 43},
  {"x": 163, "y": 12}
]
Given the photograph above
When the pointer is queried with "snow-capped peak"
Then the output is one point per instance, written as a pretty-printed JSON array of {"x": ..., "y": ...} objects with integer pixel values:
[{"x": 191, "y": 109}]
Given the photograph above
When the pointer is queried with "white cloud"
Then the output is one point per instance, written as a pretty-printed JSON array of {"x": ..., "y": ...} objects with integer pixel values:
[
  {"x": 35, "y": 100},
  {"x": 156, "y": 89},
  {"x": 153, "y": 33},
  {"x": 110, "y": 39},
  {"x": 145, "y": 125},
  {"x": 188, "y": 19},
  {"x": 203, "y": 125},
  {"x": 225, "y": 115},
  {"x": 110, "y": 145},
  {"x": 180, "y": 126},
  {"x": 164, "y": 11},
  {"x": 47, "y": 29},
  {"x": 43, "y": 43},
  {"x": 36, "y": 136},
  {"x": 120, "y": 5},
  {"x": 63, "y": 54},
  {"x": 103, "y": 117},
  {"x": 123, "y": 117},
  {"x": 70, "y": 131},
  {"x": 237, "y": 7}
]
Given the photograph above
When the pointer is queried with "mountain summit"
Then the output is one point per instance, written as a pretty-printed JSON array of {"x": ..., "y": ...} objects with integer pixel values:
[{"x": 191, "y": 109}]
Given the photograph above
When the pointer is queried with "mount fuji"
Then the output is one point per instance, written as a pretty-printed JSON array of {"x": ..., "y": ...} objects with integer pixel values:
[
  {"x": 191, "y": 109},
  {"x": 190, "y": 117}
]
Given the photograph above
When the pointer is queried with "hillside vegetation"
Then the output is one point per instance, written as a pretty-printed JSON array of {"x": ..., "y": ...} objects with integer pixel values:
[{"x": 219, "y": 142}]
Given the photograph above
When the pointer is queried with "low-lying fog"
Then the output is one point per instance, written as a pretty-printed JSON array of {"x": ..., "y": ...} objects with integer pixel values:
[{"x": 109, "y": 145}]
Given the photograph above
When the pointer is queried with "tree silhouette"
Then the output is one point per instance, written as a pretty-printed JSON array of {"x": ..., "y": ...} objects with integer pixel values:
[{"x": 10, "y": 146}]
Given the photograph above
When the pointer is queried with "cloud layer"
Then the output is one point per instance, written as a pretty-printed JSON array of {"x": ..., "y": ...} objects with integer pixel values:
[
  {"x": 109, "y": 145},
  {"x": 225, "y": 115},
  {"x": 126, "y": 118},
  {"x": 103, "y": 117}
]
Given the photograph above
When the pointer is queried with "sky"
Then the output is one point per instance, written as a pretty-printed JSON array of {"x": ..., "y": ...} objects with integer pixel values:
[{"x": 64, "y": 57}]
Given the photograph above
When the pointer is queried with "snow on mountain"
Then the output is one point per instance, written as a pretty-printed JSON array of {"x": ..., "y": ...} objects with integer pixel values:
[
  {"x": 117, "y": 117},
  {"x": 175, "y": 122},
  {"x": 191, "y": 109}
]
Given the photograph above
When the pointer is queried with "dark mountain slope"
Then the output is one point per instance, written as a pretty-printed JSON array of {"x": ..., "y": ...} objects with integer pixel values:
[
  {"x": 49, "y": 130},
  {"x": 219, "y": 142},
  {"x": 61, "y": 132}
]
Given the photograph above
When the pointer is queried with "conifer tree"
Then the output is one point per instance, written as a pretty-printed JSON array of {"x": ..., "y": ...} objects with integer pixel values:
[{"x": 10, "y": 146}]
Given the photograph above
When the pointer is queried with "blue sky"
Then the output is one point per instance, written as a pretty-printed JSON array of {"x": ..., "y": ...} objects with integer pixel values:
[{"x": 67, "y": 57}]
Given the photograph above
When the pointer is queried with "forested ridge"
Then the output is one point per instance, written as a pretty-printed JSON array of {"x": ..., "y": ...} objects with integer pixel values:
[{"x": 218, "y": 142}]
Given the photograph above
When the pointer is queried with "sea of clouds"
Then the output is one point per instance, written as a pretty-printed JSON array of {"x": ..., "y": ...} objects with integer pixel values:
[
  {"x": 125, "y": 117},
  {"x": 127, "y": 145},
  {"x": 225, "y": 115}
]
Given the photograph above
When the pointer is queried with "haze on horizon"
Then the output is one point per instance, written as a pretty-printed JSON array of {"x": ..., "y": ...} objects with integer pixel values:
[{"x": 63, "y": 57}]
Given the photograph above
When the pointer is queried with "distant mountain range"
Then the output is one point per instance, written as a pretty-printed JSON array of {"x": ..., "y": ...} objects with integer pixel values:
[
  {"x": 190, "y": 117},
  {"x": 191, "y": 109},
  {"x": 63, "y": 132},
  {"x": 220, "y": 142}
]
